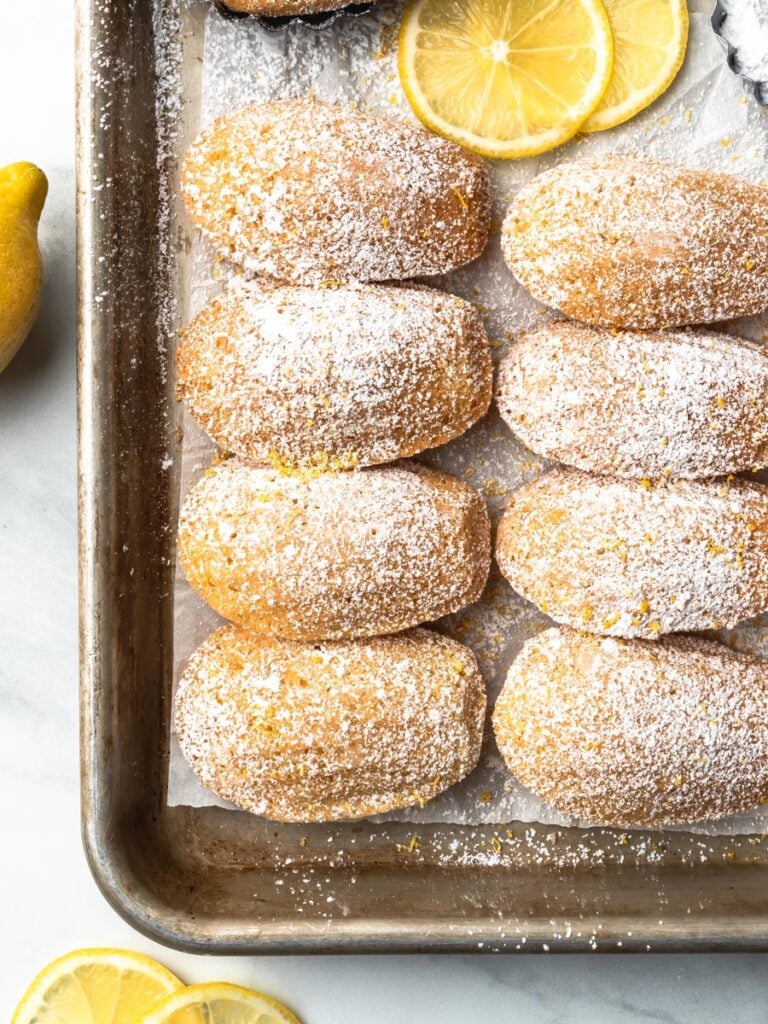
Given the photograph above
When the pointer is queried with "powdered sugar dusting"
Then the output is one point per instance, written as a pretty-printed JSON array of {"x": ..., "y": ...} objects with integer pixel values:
[
  {"x": 638, "y": 558},
  {"x": 305, "y": 732},
  {"x": 335, "y": 377},
  {"x": 637, "y": 734},
  {"x": 640, "y": 243},
  {"x": 336, "y": 555},
  {"x": 745, "y": 29},
  {"x": 307, "y": 192},
  {"x": 678, "y": 403}
]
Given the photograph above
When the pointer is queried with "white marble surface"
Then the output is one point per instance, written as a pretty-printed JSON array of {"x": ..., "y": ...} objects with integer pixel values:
[{"x": 48, "y": 902}]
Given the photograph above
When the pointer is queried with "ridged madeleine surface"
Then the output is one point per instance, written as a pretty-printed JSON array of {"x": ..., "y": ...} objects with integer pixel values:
[
  {"x": 638, "y": 404},
  {"x": 342, "y": 376},
  {"x": 306, "y": 192},
  {"x": 324, "y": 731},
  {"x": 637, "y": 243},
  {"x": 334, "y": 556},
  {"x": 633, "y": 733},
  {"x": 636, "y": 558}
]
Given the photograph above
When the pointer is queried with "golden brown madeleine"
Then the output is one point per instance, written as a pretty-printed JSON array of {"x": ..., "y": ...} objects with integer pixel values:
[
  {"x": 637, "y": 243},
  {"x": 307, "y": 192},
  {"x": 638, "y": 404},
  {"x": 323, "y": 731},
  {"x": 335, "y": 377},
  {"x": 336, "y": 555},
  {"x": 281, "y": 8},
  {"x": 633, "y": 733},
  {"x": 634, "y": 557}
]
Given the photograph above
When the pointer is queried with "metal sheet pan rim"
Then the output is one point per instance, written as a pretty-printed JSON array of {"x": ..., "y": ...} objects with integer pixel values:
[{"x": 112, "y": 848}]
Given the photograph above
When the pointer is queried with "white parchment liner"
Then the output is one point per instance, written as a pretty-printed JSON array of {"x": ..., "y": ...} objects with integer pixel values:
[{"x": 705, "y": 120}]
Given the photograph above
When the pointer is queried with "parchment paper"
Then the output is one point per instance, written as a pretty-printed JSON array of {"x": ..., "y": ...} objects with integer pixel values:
[{"x": 705, "y": 120}]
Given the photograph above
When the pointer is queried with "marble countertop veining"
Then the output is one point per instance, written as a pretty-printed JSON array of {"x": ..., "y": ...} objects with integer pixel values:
[{"x": 49, "y": 901}]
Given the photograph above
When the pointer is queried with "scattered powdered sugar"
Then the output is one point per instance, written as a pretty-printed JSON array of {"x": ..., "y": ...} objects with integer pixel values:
[
  {"x": 745, "y": 29},
  {"x": 705, "y": 120},
  {"x": 343, "y": 376},
  {"x": 636, "y": 558},
  {"x": 303, "y": 732},
  {"x": 677, "y": 403},
  {"x": 644, "y": 734}
]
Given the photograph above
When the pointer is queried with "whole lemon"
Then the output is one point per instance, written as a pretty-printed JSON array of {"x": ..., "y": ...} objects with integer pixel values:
[{"x": 23, "y": 188}]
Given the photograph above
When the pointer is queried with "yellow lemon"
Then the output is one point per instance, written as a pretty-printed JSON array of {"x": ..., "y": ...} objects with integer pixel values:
[
  {"x": 23, "y": 188},
  {"x": 649, "y": 41},
  {"x": 95, "y": 986},
  {"x": 505, "y": 78},
  {"x": 219, "y": 1003}
]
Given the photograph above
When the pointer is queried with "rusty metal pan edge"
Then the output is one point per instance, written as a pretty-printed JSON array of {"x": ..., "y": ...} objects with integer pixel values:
[{"x": 117, "y": 867}]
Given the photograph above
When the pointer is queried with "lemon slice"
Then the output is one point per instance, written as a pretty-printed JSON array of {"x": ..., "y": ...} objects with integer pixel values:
[
  {"x": 95, "y": 986},
  {"x": 505, "y": 78},
  {"x": 649, "y": 41},
  {"x": 218, "y": 1003}
]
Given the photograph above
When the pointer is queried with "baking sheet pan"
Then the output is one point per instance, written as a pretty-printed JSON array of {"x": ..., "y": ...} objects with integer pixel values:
[{"x": 213, "y": 879}]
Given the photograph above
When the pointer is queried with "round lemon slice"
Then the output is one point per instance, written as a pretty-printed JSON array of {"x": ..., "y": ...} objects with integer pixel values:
[
  {"x": 218, "y": 1003},
  {"x": 505, "y": 78},
  {"x": 649, "y": 41},
  {"x": 95, "y": 986}
]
